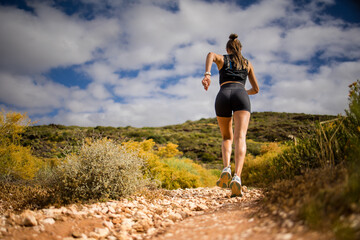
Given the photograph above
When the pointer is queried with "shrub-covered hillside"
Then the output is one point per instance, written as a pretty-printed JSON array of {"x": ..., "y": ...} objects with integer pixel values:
[{"x": 199, "y": 140}]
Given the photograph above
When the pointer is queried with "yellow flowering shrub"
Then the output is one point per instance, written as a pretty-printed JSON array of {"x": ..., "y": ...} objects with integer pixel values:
[
  {"x": 16, "y": 161},
  {"x": 257, "y": 170},
  {"x": 168, "y": 151},
  {"x": 164, "y": 166}
]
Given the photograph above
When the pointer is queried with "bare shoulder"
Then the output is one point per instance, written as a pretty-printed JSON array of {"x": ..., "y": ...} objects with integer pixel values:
[{"x": 217, "y": 57}]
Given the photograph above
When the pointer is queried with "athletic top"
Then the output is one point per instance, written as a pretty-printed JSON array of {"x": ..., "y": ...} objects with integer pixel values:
[{"x": 229, "y": 73}]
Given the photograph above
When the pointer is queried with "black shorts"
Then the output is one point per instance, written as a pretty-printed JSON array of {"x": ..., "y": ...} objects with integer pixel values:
[{"x": 231, "y": 97}]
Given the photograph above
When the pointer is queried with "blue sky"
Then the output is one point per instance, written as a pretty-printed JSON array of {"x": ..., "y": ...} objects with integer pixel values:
[{"x": 140, "y": 62}]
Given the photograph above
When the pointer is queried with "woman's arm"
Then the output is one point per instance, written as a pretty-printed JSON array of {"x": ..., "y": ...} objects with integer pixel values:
[
  {"x": 210, "y": 58},
  {"x": 253, "y": 81}
]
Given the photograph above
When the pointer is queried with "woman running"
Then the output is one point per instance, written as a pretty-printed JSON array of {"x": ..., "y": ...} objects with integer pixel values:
[{"x": 232, "y": 102}]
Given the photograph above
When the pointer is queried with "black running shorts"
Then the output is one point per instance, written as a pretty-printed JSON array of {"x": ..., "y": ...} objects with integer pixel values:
[{"x": 231, "y": 97}]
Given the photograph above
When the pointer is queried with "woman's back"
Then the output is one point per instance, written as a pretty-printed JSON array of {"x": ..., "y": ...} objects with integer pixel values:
[{"x": 228, "y": 73}]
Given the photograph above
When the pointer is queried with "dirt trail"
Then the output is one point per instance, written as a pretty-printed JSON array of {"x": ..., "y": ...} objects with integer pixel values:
[
  {"x": 202, "y": 213},
  {"x": 242, "y": 220}
]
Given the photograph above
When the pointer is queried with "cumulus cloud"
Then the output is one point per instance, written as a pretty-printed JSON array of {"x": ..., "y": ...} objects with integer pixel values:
[
  {"x": 26, "y": 92},
  {"x": 36, "y": 42},
  {"x": 145, "y": 59}
]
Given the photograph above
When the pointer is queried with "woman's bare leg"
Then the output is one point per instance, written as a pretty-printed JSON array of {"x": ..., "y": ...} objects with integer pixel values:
[
  {"x": 225, "y": 124},
  {"x": 241, "y": 121}
]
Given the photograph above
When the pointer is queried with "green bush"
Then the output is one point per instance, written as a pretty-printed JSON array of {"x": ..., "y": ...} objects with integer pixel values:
[{"x": 101, "y": 169}]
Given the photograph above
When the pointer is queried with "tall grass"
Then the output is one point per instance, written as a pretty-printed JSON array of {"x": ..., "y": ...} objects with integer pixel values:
[{"x": 321, "y": 174}]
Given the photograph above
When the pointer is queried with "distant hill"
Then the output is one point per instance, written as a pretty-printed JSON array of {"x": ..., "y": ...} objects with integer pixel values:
[{"x": 199, "y": 140}]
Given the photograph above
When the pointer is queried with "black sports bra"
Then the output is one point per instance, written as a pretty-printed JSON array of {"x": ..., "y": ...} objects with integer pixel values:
[{"x": 229, "y": 73}]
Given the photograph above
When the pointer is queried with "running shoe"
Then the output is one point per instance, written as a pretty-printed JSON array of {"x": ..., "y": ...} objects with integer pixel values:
[
  {"x": 225, "y": 178},
  {"x": 235, "y": 186}
]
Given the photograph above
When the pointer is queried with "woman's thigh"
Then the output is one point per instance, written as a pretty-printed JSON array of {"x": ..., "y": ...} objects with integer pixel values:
[
  {"x": 225, "y": 125},
  {"x": 241, "y": 122}
]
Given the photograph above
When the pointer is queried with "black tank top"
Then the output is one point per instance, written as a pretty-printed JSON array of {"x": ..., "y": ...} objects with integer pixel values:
[{"x": 229, "y": 73}]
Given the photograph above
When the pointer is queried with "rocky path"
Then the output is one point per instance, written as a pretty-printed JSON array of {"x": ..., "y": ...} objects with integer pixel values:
[{"x": 202, "y": 213}]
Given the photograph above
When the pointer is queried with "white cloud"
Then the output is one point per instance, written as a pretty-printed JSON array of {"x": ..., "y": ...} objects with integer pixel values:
[
  {"x": 33, "y": 43},
  {"x": 325, "y": 92},
  {"x": 101, "y": 72},
  {"x": 26, "y": 92}
]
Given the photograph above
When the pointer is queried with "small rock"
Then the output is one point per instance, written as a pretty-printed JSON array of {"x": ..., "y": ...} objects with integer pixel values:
[
  {"x": 140, "y": 215},
  {"x": 39, "y": 228},
  {"x": 288, "y": 223},
  {"x": 192, "y": 206},
  {"x": 175, "y": 217},
  {"x": 47, "y": 221},
  {"x": 126, "y": 224},
  {"x": 105, "y": 210},
  {"x": 169, "y": 235},
  {"x": 77, "y": 234},
  {"x": 108, "y": 224},
  {"x": 283, "y": 214},
  {"x": 28, "y": 219},
  {"x": 141, "y": 226},
  {"x": 201, "y": 207},
  {"x": 100, "y": 233},
  {"x": 284, "y": 236},
  {"x": 117, "y": 221},
  {"x": 111, "y": 209},
  {"x": 124, "y": 236},
  {"x": 167, "y": 222},
  {"x": 151, "y": 231}
]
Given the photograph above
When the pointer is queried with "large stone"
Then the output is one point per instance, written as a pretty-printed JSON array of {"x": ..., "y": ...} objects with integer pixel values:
[{"x": 28, "y": 219}]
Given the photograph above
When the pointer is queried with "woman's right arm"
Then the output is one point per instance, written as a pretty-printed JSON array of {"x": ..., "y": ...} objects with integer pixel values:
[
  {"x": 210, "y": 58},
  {"x": 252, "y": 79}
]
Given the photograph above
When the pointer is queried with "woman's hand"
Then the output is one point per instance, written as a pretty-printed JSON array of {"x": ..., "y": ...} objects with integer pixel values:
[{"x": 206, "y": 82}]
